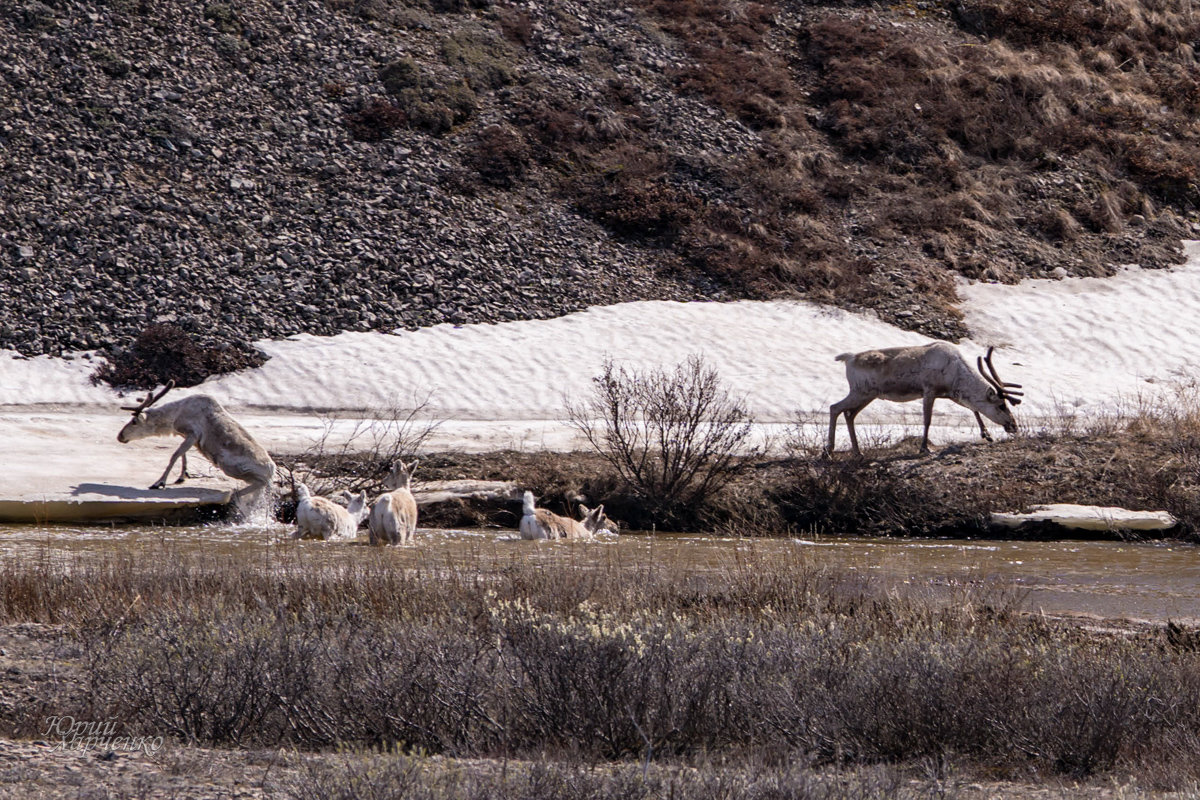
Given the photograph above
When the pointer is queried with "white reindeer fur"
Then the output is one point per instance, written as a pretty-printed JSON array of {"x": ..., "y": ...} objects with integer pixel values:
[
  {"x": 928, "y": 372},
  {"x": 322, "y": 518},
  {"x": 394, "y": 514},
  {"x": 538, "y": 523},
  {"x": 203, "y": 422}
]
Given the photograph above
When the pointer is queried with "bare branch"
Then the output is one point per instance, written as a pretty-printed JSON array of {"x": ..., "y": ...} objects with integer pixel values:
[{"x": 676, "y": 437}]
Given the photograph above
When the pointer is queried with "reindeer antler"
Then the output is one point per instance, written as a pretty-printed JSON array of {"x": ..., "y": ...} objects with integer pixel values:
[
  {"x": 1004, "y": 388},
  {"x": 150, "y": 399}
]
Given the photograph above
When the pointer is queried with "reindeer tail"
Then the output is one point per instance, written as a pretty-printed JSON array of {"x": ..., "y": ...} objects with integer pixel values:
[
  {"x": 844, "y": 357},
  {"x": 528, "y": 504}
]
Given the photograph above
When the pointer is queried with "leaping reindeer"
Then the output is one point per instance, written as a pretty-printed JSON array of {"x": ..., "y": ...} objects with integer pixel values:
[
  {"x": 926, "y": 371},
  {"x": 202, "y": 422}
]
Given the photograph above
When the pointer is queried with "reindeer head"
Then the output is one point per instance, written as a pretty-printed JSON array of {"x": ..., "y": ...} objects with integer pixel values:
[
  {"x": 357, "y": 505},
  {"x": 139, "y": 427},
  {"x": 401, "y": 475},
  {"x": 1000, "y": 394},
  {"x": 593, "y": 519}
]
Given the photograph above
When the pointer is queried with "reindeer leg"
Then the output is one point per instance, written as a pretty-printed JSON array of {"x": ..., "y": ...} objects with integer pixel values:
[
  {"x": 834, "y": 411},
  {"x": 843, "y": 406},
  {"x": 983, "y": 431},
  {"x": 927, "y": 410},
  {"x": 851, "y": 413},
  {"x": 183, "y": 473},
  {"x": 183, "y": 448}
]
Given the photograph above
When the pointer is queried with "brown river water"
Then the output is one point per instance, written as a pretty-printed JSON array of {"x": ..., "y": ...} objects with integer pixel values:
[{"x": 1153, "y": 581}]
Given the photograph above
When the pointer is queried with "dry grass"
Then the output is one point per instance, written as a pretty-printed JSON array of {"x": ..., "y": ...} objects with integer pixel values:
[
  {"x": 405, "y": 777},
  {"x": 629, "y": 663}
]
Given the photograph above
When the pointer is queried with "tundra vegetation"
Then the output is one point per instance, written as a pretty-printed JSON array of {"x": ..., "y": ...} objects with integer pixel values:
[{"x": 640, "y": 674}]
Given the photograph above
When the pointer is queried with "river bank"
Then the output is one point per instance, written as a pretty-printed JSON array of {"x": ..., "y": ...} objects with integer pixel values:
[{"x": 1145, "y": 462}]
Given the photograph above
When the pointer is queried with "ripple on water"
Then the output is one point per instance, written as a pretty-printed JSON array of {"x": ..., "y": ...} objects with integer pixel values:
[{"x": 1156, "y": 580}]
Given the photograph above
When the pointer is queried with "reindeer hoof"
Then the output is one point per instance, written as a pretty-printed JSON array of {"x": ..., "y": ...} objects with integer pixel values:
[
  {"x": 181, "y": 479},
  {"x": 158, "y": 485}
]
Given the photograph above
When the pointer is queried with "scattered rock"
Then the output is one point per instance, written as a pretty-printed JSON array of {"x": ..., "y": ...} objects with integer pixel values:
[{"x": 166, "y": 172}]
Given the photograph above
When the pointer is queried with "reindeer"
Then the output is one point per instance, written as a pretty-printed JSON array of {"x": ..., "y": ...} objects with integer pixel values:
[
  {"x": 538, "y": 523},
  {"x": 202, "y": 422},
  {"x": 926, "y": 371},
  {"x": 394, "y": 514},
  {"x": 321, "y": 518}
]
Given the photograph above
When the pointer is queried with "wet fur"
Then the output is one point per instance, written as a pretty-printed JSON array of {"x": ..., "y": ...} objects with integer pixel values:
[
  {"x": 394, "y": 515},
  {"x": 321, "y": 518},
  {"x": 539, "y": 523}
]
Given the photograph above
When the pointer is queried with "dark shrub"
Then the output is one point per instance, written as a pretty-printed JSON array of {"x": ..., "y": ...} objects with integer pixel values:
[
  {"x": 501, "y": 156},
  {"x": 631, "y": 195},
  {"x": 517, "y": 25},
  {"x": 165, "y": 352},
  {"x": 400, "y": 75},
  {"x": 639, "y": 209},
  {"x": 458, "y": 6},
  {"x": 375, "y": 120},
  {"x": 844, "y": 494},
  {"x": 483, "y": 60},
  {"x": 223, "y": 17}
]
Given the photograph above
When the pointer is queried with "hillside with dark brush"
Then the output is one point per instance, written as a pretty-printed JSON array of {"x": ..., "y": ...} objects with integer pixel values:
[{"x": 262, "y": 168}]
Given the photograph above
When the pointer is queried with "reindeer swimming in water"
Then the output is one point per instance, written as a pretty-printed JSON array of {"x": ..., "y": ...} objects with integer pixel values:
[
  {"x": 540, "y": 523},
  {"x": 394, "y": 514}
]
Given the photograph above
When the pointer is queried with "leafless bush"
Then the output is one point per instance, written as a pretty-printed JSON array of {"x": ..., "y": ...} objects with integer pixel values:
[
  {"x": 375, "y": 120},
  {"x": 501, "y": 156},
  {"x": 676, "y": 437},
  {"x": 362, "y": 456}
]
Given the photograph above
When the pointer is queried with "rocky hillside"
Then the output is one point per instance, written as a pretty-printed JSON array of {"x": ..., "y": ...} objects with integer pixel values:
[{"x": 266, "y": 167}]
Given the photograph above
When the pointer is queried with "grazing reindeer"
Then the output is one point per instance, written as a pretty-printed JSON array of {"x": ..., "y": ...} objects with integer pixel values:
[
  {"x": 394, "y": 515},
  {"x": 321, "y": 518},
  {"x": 538, "y": 523},
  {"x": 926, "y": 371},
  {"x": 202, "y": 422}
]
